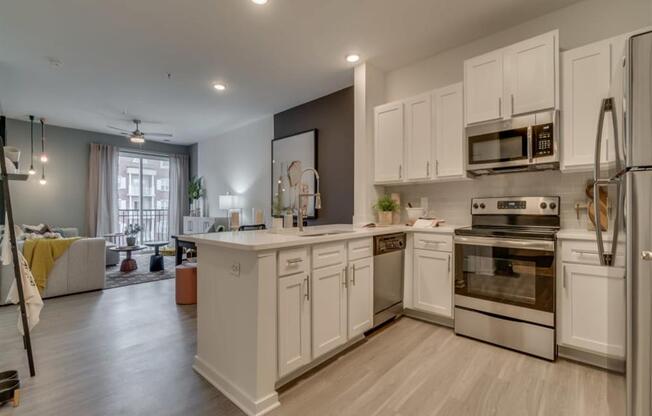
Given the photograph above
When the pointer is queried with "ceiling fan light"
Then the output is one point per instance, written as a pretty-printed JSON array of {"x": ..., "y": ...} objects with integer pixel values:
[{"x": 137, "y": 139}]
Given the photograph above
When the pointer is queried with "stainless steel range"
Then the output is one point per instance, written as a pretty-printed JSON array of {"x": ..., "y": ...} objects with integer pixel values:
[{"x": 505, "y": 273}]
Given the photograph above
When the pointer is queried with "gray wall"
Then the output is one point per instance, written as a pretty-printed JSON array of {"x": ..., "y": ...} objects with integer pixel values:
[
  {"x": 62, "y": 202},
  {"x": 332, "y": 116}
]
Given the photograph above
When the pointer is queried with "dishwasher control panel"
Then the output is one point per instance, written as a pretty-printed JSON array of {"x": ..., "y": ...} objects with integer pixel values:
[{"x": 389, "y": 243}]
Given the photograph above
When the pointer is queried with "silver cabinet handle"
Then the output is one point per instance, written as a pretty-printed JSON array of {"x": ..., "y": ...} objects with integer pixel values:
[
  {"x": 295, "y": 260},
  {"x": 500, "y": 107},
  {"x": 563, "y": 277},
  {"x": 307, "y": 288},
  {"x": 511, "y": 98},
  {"x": 437, "y": 167},
  {"x": 427, "y": 168},
  {"x": 345, "y": 281},
  {"x": 584, "y": 252},
  {"x": 400, "y": 171},
  {"x": 449, "y": 263},
  {"x": 646, "y": 255},
  {"x": 353, "y": 275}
]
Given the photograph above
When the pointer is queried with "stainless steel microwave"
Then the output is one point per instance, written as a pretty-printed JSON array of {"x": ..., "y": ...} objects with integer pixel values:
[{"x": 528, "y": 142}]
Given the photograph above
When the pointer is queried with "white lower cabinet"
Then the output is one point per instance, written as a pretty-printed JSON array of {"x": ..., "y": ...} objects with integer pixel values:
[
  {"x": 361, "y": 296},
  {"x": 293, "y": 323},
  {"x": 329, "y": 309},
  {"x": 593, "y": 309},
  {"x": 433, "y": 282}
]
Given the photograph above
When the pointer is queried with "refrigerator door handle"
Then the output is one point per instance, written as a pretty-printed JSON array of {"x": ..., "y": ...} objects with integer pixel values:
[
  {"x": 607, "y": 259},
  {"x": 607, "y": 105}
]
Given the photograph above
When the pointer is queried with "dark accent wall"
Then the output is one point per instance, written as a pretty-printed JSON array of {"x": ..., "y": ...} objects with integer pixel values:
[{"x": 332, "y": 116}]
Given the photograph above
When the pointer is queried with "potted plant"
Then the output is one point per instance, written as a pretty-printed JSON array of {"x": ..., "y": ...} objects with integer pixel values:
[
  {"x": 130, "y": 232},
  {"x": 195, "y": 192},
  {"x": 385, "y": 206}
]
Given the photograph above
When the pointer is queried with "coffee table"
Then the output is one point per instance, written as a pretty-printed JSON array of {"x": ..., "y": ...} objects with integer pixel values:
[
  {"x": 128, "y": 264},
  {"x": 156, "y": 263}
]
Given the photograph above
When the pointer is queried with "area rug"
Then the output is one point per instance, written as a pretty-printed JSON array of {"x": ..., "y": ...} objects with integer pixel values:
[{"x": 115, "y": 278}]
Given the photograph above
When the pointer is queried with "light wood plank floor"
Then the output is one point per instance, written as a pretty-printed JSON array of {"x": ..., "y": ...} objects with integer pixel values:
[{"x": 128, "y": 351}]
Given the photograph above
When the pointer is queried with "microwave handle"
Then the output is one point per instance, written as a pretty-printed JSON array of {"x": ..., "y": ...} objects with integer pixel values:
[{"x": 530, "y": 144}]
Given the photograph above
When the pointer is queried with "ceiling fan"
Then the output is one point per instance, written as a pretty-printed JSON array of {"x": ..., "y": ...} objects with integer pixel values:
[{"x": 137, "y": 136}]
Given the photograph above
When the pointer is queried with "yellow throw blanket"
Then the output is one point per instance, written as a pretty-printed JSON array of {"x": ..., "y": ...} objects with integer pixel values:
[{"x": 41, "y": 255}]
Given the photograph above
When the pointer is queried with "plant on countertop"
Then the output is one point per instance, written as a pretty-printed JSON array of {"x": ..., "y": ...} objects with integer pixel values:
[
  {"x": 386, "y": 204},
  {"x": 195, "y": 189}
]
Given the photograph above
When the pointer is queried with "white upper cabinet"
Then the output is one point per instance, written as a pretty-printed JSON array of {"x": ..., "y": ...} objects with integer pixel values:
[
  {"x": 388, "y": 143},
  {"x": 586, "y": 81},
  {"x": 418, "y": 136},
  {"x": 530, "y": 74},
  {"x": 520, "y": 79},
  {"x": 448, "y": 108},
  {"x": 483, "y": 92}
]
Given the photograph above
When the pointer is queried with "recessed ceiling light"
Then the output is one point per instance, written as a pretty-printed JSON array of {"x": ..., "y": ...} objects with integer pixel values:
[
  {"x": 352, "y": 58},
  {"x": 219, "y": 87},
  {"x": 259, "y": 2}
]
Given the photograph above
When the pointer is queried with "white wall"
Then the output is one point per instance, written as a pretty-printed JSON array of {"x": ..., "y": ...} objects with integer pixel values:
[
  {"x": 578, "y": 24},
  {"x": 238, "y": 162}
]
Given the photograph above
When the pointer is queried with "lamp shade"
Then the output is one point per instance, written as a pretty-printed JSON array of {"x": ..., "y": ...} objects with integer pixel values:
[{"x": 228, "y": 202}]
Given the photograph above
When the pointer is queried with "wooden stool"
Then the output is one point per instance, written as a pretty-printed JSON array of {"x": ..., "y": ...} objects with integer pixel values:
[{"x": 186, "y": 284}]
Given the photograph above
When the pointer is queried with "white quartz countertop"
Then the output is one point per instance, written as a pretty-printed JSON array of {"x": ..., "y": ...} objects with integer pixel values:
[
  {"x": 270, "y": 240},
  {"x": 583, "y": 234}
]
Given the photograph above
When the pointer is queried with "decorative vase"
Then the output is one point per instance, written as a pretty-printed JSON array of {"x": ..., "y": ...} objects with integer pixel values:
[
  {"x": 131, "y": 241},
  {"x": 385, "y": 217}
]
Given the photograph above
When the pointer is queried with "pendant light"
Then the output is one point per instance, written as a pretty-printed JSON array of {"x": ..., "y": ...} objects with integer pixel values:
[
  {"x": 31, "y": 170},
  {"x": 43, "y": 181},
  {"x": 44, "y": 156}
]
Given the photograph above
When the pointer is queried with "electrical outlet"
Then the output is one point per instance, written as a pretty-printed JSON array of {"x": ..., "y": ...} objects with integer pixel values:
[{"x": 235, "y": 269}]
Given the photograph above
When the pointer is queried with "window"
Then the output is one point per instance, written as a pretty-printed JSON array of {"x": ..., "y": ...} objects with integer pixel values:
[{"x": 143, "y": 194}]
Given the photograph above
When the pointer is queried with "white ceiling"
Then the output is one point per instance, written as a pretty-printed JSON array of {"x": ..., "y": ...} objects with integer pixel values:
[{"x": 116, "y": 54}]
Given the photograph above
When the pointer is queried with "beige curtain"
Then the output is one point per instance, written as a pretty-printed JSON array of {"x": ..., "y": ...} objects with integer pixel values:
[
  {"x": 179, "y": 202},
  {"x": 102, "y": 194}
]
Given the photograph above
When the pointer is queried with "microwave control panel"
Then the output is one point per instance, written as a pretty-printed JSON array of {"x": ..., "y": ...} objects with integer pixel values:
[{"x": 543, "y": 140}]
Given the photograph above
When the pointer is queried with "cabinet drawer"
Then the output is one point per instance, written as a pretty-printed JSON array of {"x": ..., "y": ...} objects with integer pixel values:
[
  {"x": 586, "y": 252},
  {"x": 434, "y": 242},
  {"x": 360, "y": 249},
  {"x": 292, "y": 261},
  {"x": 324, "y": 255}
]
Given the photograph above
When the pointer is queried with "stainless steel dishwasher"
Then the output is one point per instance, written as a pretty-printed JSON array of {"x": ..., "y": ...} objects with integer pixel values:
[{"x": 389, "y": 253}]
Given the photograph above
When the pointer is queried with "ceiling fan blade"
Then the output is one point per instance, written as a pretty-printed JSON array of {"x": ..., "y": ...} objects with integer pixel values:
[
  {"x": 119, "y": 129},
  {"x": 158, "y": 134}
]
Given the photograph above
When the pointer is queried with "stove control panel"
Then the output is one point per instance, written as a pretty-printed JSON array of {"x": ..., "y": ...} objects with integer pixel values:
[{"x": 529, "y": 205}]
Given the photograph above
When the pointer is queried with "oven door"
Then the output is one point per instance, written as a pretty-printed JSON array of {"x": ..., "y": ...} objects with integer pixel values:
[
  {"x": 507, "y": 148},
  {"x": 507, "y": 277}
]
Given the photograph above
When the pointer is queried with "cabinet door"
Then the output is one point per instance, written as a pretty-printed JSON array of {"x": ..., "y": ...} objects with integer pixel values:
[
  {"x": 483, "y": 87},
  {"x": 449, "y": 127},
  {"x": 293, "y": 323},
  {"x": 329, "y": 306},
  {"x": 361, "y": 296},
  {"x": 586, "y": 74},
  {"x": 433, "y": 282},
  {"x": 388, "y": 144},
  {"x": 530, "y": 70},
  {"x": 418, "y": 136},
  {"x": 593, "y": 315}
]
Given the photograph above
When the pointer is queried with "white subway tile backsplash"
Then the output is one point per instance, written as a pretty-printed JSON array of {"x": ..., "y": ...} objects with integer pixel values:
[{"x": 452, "y": 200}]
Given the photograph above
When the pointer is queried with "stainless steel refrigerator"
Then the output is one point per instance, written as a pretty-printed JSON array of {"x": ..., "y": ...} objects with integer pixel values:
[{"x": 630, "y": 109}]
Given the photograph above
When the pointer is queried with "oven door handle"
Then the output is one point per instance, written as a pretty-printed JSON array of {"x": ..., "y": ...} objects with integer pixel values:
[{"x": 506, "y": 242}]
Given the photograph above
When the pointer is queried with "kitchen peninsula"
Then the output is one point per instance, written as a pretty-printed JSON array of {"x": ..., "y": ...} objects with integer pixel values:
[{"x": 272, "y": 305}]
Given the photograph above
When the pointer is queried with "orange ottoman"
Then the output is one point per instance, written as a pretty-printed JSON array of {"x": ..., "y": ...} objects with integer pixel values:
[{"x": 186, "y": 284}]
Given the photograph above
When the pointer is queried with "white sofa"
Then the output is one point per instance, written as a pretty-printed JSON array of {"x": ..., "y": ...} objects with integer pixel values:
[{"x": 80, "y": 269}]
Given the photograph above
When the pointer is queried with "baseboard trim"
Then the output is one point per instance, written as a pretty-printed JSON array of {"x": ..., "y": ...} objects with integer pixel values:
[
  {"x": 430, "y": 318},
  {"x": 241, "y": 399},
  {"x": 591, "y": 358}
]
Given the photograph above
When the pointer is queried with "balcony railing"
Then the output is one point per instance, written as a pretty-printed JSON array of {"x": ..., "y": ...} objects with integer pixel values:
[{"x": 154, "y": 223}]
